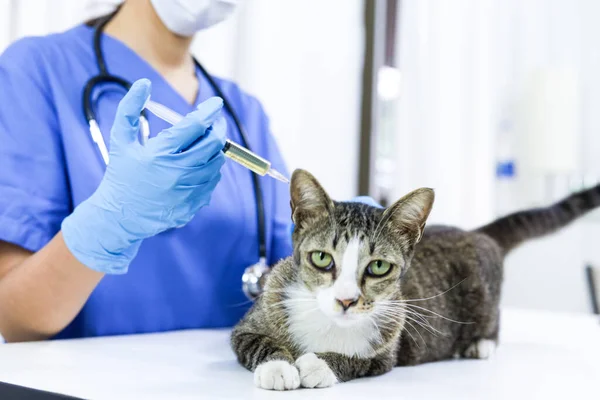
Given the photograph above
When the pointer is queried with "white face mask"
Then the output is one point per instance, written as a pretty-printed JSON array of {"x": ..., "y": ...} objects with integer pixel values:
[
  {"x": 100, "y": 8},
  {"x": 186, "y": 17}
]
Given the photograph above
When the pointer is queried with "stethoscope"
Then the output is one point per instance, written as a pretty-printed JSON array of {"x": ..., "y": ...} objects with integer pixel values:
[{"x": 252, "y": 277}]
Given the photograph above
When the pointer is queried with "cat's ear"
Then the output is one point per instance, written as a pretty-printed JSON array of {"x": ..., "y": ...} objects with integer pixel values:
[
  {"x": 309, "y": 199},
  {"x": 411, "y": 212}
]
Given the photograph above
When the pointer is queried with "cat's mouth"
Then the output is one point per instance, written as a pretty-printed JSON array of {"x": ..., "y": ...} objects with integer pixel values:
[
  {"x": 346, "y": 318},
  {"x": 342, "y": 313}
]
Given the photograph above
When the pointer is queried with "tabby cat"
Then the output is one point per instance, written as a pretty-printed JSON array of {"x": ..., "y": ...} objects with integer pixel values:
[{"x": 367, "y": 289}]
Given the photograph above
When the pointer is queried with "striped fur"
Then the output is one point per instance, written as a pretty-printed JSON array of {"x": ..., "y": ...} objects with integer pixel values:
[{"x": 514, "y": 229}]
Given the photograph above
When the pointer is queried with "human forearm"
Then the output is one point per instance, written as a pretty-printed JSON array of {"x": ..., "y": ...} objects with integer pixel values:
[
  {"x": 42, "y": 294},
  {"x": 145, "y": 190}
]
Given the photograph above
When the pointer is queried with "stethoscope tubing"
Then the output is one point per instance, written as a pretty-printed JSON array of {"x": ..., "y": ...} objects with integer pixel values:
[{"x": 105, "y": 77}]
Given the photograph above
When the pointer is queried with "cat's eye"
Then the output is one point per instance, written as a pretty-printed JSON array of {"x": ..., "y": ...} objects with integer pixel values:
[
  {"x": 379, "y": 268},
  {"x": 321, "y": 260}
]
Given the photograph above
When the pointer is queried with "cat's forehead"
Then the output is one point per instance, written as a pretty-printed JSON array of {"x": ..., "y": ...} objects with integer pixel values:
[{"x": 355, "y": 219}]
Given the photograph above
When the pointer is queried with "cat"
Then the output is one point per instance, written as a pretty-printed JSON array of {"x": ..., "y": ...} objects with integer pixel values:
[{"x": 368, "y": 289}]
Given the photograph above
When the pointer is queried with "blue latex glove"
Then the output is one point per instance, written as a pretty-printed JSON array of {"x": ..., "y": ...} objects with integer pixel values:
[{"x": 150, "y": 188}]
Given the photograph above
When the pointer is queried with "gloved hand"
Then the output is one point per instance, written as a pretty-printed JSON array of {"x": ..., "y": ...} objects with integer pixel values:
[{"x": 149, "y": 188}]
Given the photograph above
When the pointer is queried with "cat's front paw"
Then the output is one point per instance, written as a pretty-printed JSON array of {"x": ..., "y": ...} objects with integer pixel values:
[
  {"x": 482, "y": 349},
  {"x": 276, "y": 375},
  {"x": 314, "y": 372}
]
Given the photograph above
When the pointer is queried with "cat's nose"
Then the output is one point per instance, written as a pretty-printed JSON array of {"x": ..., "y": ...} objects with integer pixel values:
[{"x": 347, "y": 303}]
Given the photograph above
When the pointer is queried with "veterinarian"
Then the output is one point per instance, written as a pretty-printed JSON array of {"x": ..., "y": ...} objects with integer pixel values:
[
  {"x": 88, "y": 249},
  {"x": 158, "y": 238}
]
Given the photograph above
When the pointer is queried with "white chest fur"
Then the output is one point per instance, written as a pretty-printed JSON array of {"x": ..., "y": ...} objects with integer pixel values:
[{"x": 315, "y": 332}]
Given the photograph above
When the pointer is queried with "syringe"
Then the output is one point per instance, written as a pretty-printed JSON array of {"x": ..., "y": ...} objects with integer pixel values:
[{"x": 234, "y": 151}]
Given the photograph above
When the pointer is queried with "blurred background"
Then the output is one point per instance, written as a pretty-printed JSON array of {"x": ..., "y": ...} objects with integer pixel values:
[{"x": 491, "y": 102}]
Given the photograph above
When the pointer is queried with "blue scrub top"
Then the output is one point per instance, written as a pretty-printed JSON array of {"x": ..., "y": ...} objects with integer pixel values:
[{"x": 183, "y": 278}]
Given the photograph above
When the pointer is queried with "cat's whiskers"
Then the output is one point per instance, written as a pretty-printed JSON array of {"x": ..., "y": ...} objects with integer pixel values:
[
  {"x": 437, "y": 315},
  {"x": 437, "y": 295},
  {"x": 288, "y": 301},
  {"x": 376, "y": 328},
  {"x": 412, "y": 337},
  {"x": 426, "y": 324},
  {"x": 407, "y": 319},
  {"x": 297, "y": 300},
  {"x": 407, "y": 306},
  {"x": 305, "y": 312},
  {"x": 390, "y": 319},
  {"x": 282, "y": 308},
  {"x": 279, "y": 312},
  {"x": 384, "y": 319},
  {"x": 398, "y": 312},
  {"x": 427, "y": 327},
  {"x": 266, "y": 292},
  {"x": 240, "y": 304},
  {"x": 274, "y": 291},
  {"x": 389, "y": 316},
  {"x": 400, "y": 307},
  {"x": 409, "y": 311},
  {"x": 418, "y": 318}
]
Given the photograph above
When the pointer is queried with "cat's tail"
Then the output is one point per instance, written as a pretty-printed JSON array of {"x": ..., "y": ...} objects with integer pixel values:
[{"x": 512, "y": 230}]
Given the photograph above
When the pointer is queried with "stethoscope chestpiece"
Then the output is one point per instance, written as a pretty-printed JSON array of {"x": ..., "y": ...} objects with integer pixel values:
[{"x": 253, "y": 279}]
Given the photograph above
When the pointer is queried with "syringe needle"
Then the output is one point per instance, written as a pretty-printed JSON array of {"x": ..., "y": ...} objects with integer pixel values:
[
  {"x": 277, "y": 175},
  {"x": 232, "y": 150}
]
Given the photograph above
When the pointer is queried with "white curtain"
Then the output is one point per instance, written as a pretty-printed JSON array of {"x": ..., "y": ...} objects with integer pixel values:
[
  {"x": 445, "y": 124},
  {"x": 473, "y": 68},
  {"x": 301, "y": 58}
]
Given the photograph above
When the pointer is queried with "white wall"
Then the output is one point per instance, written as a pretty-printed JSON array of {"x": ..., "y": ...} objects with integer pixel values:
[
  {"x": 20, "y": 18},
  {"x": 466, "y": 65},
  {"x": 556, "y": 36}
]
